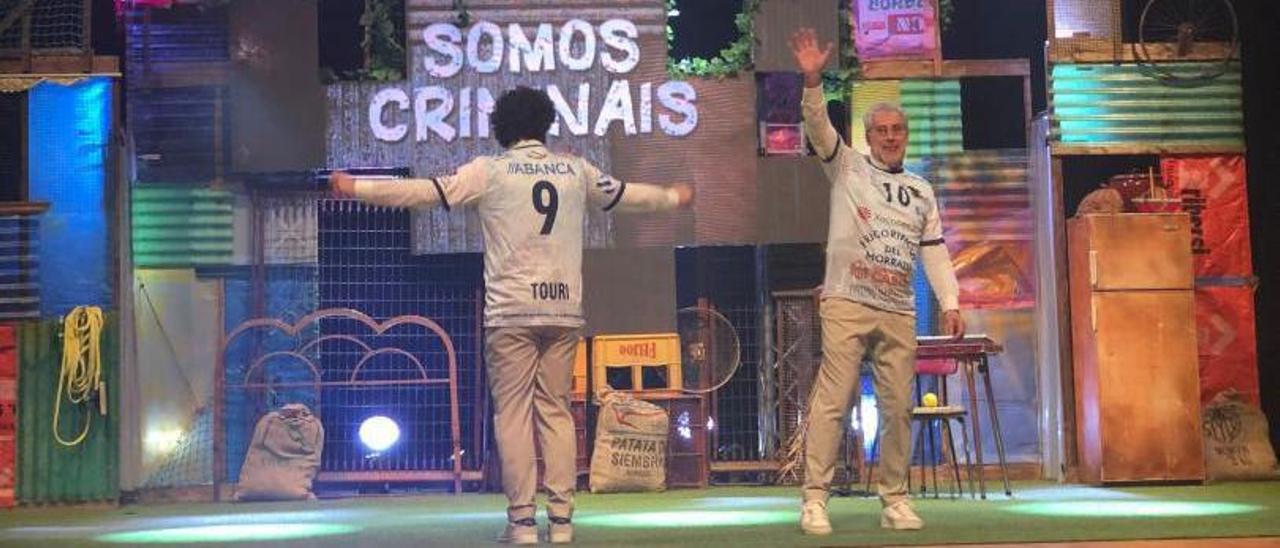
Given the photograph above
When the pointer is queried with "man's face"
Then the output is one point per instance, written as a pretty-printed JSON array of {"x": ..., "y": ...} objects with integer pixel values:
[{"x": 887, "y": 137}]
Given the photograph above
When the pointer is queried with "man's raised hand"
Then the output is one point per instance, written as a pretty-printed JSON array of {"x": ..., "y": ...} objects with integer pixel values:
[{"x": 809, "y": 57}]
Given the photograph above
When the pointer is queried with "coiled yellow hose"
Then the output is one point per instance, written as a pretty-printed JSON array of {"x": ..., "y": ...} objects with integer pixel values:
[{"x": 81, "y": 375}]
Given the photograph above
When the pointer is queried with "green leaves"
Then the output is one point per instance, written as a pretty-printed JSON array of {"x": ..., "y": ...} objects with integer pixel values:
[
  {"x": 734, "y": 58},
  {"x": 384, "y": 52}
]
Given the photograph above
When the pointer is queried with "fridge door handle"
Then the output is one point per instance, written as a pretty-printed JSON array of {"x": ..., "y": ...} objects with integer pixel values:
[
  {"x": 1093, "y": 268},
  {"x": 1093, "y": 313}
]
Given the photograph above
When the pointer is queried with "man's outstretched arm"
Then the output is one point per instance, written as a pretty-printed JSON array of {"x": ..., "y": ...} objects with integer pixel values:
[
  {"x": 458, "y": 189},
  {"x": 809, "y": 60},
  {"x": 611, "y": 194}
]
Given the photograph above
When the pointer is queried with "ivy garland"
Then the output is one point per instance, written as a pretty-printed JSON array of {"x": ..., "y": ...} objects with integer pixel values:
[
  {"x": 736, "y": 56},
  {"x": 384, "y": 54},
  {"x": 733, "y": 58}
]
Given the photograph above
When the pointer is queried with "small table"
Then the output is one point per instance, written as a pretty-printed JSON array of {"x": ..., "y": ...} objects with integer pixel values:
[{"x": 971, "y": 351}]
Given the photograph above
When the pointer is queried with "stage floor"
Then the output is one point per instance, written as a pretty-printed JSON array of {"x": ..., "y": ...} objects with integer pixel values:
[{"x": 721, "y": 516}]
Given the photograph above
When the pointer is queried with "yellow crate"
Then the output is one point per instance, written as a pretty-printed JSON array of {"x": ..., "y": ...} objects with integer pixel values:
[
  {"x": 580, "y": 371},
  {"x": 636, "y": 353}
]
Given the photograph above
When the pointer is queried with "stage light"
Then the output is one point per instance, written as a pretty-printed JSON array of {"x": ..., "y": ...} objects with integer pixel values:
[
  {"x": 379, "y": 433},
  {"x": 688, "y": 518},
  {"x": 740, "y": 501},
  {"x": 162, "y": 441},
  {"x": 683, "y": 427},
  {"x": 1131, "y": 508},
  {"x": 870, "y": 420},
  {"x": 228, "y": 533}
]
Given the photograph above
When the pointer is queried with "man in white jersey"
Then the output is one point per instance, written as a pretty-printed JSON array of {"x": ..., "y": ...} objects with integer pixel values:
[
  {"x": 531, "y": 203},
  {"x": 882, "y": 218}
]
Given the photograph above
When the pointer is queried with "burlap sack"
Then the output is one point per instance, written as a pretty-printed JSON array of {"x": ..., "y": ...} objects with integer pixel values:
[
  {"x": 631, "y": 446},
  {"x": 283, "y": 457},
  {"x": 1236, "y": 445},
  {"x": 1103, "y": 200}
]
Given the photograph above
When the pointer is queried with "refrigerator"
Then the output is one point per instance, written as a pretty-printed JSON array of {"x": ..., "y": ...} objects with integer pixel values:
[{"x": 1134, "y": 359}]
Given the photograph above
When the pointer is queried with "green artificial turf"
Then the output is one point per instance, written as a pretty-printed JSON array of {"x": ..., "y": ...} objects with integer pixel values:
[{"x": 721, "y": 516}]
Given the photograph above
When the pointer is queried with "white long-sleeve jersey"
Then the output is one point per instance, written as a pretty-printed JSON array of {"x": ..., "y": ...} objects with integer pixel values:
[
  {"x": 881, "y": 221},
  {"x": 531, "y": 204}
]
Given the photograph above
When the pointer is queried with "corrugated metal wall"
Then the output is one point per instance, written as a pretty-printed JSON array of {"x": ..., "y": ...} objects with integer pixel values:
[
  {"x": 47, "y": 471},
  {"x": 1119, "y": 104},
  {"x": 983, "y": 195},
  {"x": 986, "y": 219},
  {"x": 933, "y": 107},
  {"x": 177, "y": 226}
]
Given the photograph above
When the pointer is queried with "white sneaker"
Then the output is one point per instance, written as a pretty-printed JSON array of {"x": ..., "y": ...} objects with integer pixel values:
[
  {"x": 560, "y": 530},
  {"x": 900, "y": 516},
  {"x": 524, "y": 531},
  {"x": 813, "y": 518}
]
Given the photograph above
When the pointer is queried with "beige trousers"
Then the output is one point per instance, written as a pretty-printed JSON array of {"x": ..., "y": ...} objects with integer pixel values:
[
  {"x": 530, "y": 378},
  {"x": 850, "y": 332}
]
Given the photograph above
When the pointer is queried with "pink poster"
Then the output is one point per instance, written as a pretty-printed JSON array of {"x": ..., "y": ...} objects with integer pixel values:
[{"x": 894, "y": 29}]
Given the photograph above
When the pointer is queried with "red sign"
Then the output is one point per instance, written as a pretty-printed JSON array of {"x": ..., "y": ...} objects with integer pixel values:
[
  {"x": 906, "y": 24},
  {"x": 8, "y": 415},
  {"x": 1225, "y": 335},
  {"x": 1212, "y": 191}
]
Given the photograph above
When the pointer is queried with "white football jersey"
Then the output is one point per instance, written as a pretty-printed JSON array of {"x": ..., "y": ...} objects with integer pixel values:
[
  {"x": 532, "y": 203},
  {"x": 880, "y": 220}
]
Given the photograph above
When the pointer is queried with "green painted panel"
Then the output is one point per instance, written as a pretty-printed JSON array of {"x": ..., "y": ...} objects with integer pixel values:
[
  {"x": 933, "y": 107},
  {"x": 49, "y": 472},
  {"x": 181, "y": 226},
  {"x": 1120, "y": 104}
]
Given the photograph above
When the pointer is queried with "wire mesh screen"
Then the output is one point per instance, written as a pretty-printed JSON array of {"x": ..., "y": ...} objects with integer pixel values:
[
  {"x": 285, "y": 292},
  {"x": 1085, "y": 18},
  {"x": 1084, "y": 23},
  {"x": 799, "y": 353},
  {"x": 11, "y": 38},
  {"x": 59, "y": 24},
  {"x": 53, "y": 24},
  {"x": 736, "y": 435},
  {"x": 365, "y": 264}
]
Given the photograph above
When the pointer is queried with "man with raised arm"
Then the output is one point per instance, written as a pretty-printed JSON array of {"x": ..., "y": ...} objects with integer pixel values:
[{"x": 883, "y": 218}]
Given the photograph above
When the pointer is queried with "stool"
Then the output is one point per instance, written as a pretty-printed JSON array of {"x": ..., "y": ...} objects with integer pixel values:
[{"x": 940, "y": 416}]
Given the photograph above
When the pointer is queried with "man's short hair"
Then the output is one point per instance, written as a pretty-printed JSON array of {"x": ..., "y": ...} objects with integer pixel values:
[
  {"x": 868, "y": 117},
  {"x": 520, "y": 114}
]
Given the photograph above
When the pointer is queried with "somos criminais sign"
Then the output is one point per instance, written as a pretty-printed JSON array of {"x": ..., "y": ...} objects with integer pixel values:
[{"x": 447, "y": 113}]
